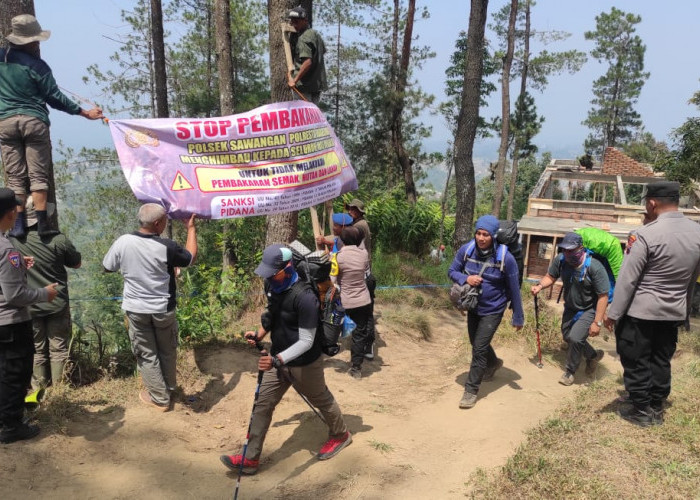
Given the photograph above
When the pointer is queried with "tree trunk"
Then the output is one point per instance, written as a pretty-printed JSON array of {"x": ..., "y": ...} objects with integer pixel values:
[
  {"x": 505, "y": 112},
  {"x": 443, "y": 202},
  {"x": 222, "y": 26},
  {"x": 467, "y": 122},
  {"x": 399, "y": 102},
  {"x": 161, "y": 78},
  {"x": 281, "y": 228},
  {"x": 521, "y": 97}
]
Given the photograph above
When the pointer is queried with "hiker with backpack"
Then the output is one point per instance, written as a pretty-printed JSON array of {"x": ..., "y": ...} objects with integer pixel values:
[
  {"x": 586, "y": 285},
  {"x": 350, "y": 265},
  {"x": 295, "y": 354},
  {"x": 489, "y": 267}
]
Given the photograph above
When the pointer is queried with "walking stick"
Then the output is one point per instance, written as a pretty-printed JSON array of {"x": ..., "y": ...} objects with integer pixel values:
[
  {"x": 537, "y": 330},
  {"x": 250, "y": 424},
  {"x": 260, "y": 347}
]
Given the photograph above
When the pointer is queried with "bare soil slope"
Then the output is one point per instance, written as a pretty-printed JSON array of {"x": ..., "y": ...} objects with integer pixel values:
[{"x": 410, "y": 439}]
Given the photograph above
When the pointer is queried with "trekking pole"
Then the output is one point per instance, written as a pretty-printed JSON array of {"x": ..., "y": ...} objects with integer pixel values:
[
  {"x": 260, "y": 347},
  {"x": 250, "y": 423},
  {"x": 537, "y": 330}
]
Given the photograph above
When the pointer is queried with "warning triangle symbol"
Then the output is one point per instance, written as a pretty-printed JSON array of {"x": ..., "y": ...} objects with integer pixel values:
[{"x": 180, "y": 183}]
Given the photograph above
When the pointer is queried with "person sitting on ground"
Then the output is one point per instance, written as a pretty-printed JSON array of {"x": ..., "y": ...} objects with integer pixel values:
[
  {"x": 148, "y": 262},
  {"x": 51, "y": 321},
  {"x": 586, "y": 287},
  {"x": 293, "y": 312},
  {"x": 26, "y": 87},
  {"x": 476, "y": 264},
  {"x": 350, "y": 265},
  {"x": 16, "y": 340},
  {"x": 438, "y": 254}
]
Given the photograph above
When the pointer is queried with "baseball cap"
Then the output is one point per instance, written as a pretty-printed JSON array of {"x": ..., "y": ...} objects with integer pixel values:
[
  {"x": 342, "y": 219},
  {"x": 571, "y": 241},
  {"x": 8, "y": 199},
  {"x": 274, "y": 258},
  {"x": 297, "y": 13}
]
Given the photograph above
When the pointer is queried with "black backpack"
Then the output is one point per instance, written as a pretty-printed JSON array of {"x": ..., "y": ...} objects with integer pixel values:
[{"x": 508, "y": 235}]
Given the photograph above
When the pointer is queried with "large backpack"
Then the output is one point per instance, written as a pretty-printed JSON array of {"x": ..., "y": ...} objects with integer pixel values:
[
  {"x": 605, "y": 248},
  {"x": 508, "y": 235},
  {"x": 314, "y": 270}
]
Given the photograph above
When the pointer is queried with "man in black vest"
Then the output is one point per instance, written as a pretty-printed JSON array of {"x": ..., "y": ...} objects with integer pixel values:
[{"x": 293, "y": 310}]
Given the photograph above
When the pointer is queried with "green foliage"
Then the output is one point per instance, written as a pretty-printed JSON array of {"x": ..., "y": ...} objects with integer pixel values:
[
  {"x": 397, "y": 225},
  {"x": 613, "y": 119},
  {"x": 682, "y": 164}
]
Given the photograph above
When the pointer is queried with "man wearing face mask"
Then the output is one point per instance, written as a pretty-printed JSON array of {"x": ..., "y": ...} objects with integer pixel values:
[
  {"x": 652, "y": 298},
  {"x": 586, "y": 287},
  {"x": 291, "y": 319}
]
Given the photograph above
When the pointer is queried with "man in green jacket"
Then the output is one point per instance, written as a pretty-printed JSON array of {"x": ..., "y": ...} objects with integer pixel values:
[
  {"x": 26, "y": 87},
  {"x": 309, "y": 73}
]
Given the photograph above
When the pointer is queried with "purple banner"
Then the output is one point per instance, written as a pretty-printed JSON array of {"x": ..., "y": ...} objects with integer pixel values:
[{"x": 273, "y": 159}]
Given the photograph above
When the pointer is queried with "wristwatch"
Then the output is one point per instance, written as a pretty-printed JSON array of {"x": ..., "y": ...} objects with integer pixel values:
[{"x": 599, "y": 323}]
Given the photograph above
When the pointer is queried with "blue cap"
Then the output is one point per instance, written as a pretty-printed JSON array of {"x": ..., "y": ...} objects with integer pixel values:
[
  {"x": 342, "y": 219},
  {"x": 571, "y": 241},
  {"x": 274, "y": 258}
]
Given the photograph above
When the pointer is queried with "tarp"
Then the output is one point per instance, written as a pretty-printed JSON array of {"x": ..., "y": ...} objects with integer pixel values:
[{"x": 273, "y": 159}]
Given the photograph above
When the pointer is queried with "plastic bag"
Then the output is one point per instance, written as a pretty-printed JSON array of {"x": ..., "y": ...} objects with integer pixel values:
[{"x": 348, "y": 326}]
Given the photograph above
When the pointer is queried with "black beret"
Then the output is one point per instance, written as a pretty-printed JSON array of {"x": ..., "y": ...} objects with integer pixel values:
[{"x": 664, "y": 189}]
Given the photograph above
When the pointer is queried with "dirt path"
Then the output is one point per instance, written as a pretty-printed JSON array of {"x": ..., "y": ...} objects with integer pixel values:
[{"x": 410, "y": 439}]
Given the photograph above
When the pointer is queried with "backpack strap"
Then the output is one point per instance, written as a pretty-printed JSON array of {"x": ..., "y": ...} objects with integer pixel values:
[{"x": 500, "y": 256}]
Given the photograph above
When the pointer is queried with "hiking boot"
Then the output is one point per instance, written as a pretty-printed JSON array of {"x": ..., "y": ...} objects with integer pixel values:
[
  {"x": 369, "y": 351},
  {"x": 592, "y": 364},
  {"x": 567, "y": 379},
  {"x": 657, "y": 417},
  {"x": 145, "y": 397},
  {"x": 642, "y": 418},
  {"x": 564, "y": 346},
  {"x": 491, "y": 370},
  {"x": 333, "y": 446},
  {"x": 624, "y": 398},
  {"x": 468, "y": 400},
  {"x": 233, "y": 462},
  {"x": 19, "y": 433},
  {"x": 355, "y": 372}
]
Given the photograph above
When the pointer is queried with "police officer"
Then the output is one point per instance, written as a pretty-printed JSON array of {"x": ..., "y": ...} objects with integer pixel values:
[
  {"x": 16, "y": 339},
  {"x": 652, "y": 297}
]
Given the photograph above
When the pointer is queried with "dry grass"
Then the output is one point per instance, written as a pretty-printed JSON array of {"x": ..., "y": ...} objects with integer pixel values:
[{"x": 585, "y": 450}]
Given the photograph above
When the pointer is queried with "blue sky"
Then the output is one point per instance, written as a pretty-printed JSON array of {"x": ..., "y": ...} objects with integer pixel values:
[{"x": 669, "y": 29}]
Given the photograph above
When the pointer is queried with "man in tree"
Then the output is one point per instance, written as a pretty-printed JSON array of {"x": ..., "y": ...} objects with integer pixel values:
[
  {"x": 26, "y": 87},
  {"x": 148, "y": 264},
  {"x": 51, "y": 322},
  {"x": 309, "y": 73},
  {"x": 586, "y": 287},
  {"x": 16, "y": 344},
  {"x": 652, "y": 297}
]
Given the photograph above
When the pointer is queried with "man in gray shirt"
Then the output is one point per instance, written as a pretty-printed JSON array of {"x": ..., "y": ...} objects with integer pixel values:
[
  {"x": 148, "y": 262},
  {"x": 652, "y": 297}
]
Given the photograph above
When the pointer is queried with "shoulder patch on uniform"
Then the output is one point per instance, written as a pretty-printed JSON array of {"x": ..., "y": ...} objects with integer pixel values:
[{"x": 15, "y": 259}]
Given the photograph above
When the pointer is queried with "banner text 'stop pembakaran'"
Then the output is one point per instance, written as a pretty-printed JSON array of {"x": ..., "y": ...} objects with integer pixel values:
[{"x": 273, "y": 159}]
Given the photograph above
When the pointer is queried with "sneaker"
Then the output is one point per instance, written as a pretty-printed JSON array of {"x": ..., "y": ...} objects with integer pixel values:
[
  {"x": 491, "y": 370},
  {"x": 19, "y": 433},
  {"x": 355, "y": 372},
  {"x": 642, "y": 418},
  {"x": 567, "y": 379},
  {"x": 592, "y": 364},
  {"x": 468, "y": 400},
  {"x": 333, "y": 446},
  {"x": 233, "y": 462},
  {"x": 145, "y": 397},
  {"x": 369, "y": 351}
]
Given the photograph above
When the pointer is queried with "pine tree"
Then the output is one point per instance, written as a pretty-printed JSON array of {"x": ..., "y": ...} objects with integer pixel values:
[{"x": 613, "y": 119}]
